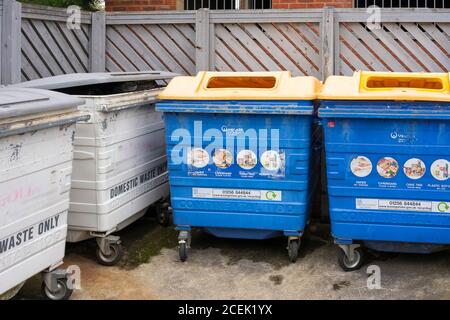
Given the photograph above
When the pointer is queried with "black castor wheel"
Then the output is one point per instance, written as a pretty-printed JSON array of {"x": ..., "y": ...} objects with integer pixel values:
[
  {"x": 182, "y": 251},
  {"x": 163, "y": 213},
  {"x": 293, "y": 247}
]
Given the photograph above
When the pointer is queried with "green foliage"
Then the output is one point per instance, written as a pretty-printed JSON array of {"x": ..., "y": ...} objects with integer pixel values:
[{"x": 90, "y": 5}]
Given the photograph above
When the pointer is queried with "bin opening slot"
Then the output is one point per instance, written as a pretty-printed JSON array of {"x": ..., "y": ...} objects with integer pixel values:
[
  {"x": 379, "y": 82},
  {"x": 112, "y": 88},
  {"x": 247, "y": 82}
]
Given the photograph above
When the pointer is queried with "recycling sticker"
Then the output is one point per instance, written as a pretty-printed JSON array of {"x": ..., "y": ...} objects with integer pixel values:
[{"x": 403, "y": 205}]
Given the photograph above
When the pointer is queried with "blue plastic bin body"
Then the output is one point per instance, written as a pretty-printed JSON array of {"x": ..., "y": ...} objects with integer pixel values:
[
  {"x": 237, "y": 202},
  {"x": 388, "y": 172}
]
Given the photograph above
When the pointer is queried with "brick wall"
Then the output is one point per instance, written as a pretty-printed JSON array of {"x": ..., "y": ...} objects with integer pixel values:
[
  {"x": 140, "y": 5},
  {"x": 152, "y": 5},
  {"x": 304, "y": 4}
]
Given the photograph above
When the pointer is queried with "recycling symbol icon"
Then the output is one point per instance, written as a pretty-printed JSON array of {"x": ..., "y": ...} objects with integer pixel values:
[
  {"x": 443, "y": 206},
  {"x": 271, "y": 195}
]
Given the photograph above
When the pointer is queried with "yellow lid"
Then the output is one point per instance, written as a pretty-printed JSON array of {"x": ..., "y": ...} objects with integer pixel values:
[
  {"x": 242, "y": 86},
  {"x": 364, "y": 85}
]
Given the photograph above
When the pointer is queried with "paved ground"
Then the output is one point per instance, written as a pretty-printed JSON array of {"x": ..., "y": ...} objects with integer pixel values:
[{"x": 242, "y": 269}]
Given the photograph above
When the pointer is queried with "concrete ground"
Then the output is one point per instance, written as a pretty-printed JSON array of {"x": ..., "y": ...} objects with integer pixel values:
[{"x": 245, "y": 269}]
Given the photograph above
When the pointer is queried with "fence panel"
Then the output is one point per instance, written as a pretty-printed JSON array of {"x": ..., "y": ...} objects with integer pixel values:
[
  {"x": 405, "y": 40},
  {"x": 268, "y": 46},
  {"x": 263, "y": 41},
  {"x": 145, "y": 41},
  {"x": 49, "y": 47}
]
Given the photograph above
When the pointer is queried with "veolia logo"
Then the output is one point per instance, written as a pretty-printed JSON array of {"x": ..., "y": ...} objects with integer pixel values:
[
  {"x": 443, "y": 207},
  {"x": 394, "y": 135},
  {"x": 403, "y": 137}
]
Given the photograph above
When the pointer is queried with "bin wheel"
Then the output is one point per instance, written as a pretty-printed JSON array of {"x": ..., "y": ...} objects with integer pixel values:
[
  {"x": 163, "y": 215},
  {"x": 182, "y": 251},
  {"x": 111, "y": 259},
  {"x": 293, "y": 247},
  {"x": 348, "y": 265},
  {"x": 63, "y": 292}
]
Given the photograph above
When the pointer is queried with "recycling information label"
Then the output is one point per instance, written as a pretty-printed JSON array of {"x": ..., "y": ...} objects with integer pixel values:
[
  {"x": 403, "y": 205},
  {"x": 241, "y": 194}
]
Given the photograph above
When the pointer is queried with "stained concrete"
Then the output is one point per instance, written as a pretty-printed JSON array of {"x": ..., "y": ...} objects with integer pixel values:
[{"x": 246, "y": 269}]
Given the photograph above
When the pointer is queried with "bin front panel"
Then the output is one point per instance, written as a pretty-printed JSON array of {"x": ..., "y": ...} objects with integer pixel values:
[
  {"x": 120, "y": 165},
  {"x": 240, "y": 174},
  {"x": 388, "y": 177},
  {"x": 35, "y": 175}
]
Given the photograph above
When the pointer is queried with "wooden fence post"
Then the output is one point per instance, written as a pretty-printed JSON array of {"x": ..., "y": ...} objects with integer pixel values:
[
  {"x": 97, "y": 42},
  {"x": 10, "y": 34},
  {"x": 202, "y": 40},
  {"x": 328, "y": 39}
]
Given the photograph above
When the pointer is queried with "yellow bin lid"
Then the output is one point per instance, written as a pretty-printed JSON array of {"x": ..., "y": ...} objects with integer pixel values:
[
  {"x": 278, "y": 85},
  {"x": 404, "y": 86}
]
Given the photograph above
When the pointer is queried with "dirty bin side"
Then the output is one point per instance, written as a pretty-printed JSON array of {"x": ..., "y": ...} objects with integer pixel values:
[
  {"x": 388, "y": 162},
  {"x": 37, "y": 128},
  {"x": 120, "y": 165},
  {"x": 239, "y": 167}
]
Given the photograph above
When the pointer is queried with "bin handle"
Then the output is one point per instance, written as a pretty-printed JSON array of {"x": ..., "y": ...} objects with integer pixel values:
[{"x": 404, "y": 82}]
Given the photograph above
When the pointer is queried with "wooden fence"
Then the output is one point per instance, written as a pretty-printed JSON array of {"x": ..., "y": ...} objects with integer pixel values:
[
  {"x": 49, "y": 47},
  {"x": 36, "y": 41},
  {"x": 408, "y": 41}
]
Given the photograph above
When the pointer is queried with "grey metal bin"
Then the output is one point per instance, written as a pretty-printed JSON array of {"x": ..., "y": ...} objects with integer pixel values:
[
  {"x": 37, "y": 129},
  {"x": 120, "y": 166}
]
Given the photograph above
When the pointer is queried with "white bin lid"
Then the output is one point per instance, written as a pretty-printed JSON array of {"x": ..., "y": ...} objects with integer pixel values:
[
  {"x": 15, "y": 102},
  {"x": 85, "y": 79}
]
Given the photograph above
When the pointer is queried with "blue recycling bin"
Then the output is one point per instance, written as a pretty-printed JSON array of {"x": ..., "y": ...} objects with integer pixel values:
[
  {"x": 387, "y": 143},
  {"x": 239, "y": 148}
]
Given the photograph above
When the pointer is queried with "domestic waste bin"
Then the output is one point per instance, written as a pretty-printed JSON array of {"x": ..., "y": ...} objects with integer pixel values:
[
  {"x": 120, "y": 166},
  {"x": 388, "y": 162},
  {"x": 36, "y": 149},
  {"x": 239, "y": 147}
]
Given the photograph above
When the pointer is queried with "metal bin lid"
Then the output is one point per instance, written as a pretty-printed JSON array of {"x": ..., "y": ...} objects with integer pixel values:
[
  {"x": 96, "y": 78},
  {"x": 15, "y": 102}
]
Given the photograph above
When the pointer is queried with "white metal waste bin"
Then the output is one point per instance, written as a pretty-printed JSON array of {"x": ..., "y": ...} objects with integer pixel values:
[
  {"x": 120, "y": 166},
  {"x": 37, "y": 129}
]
